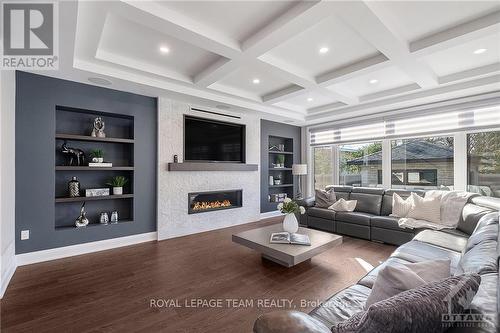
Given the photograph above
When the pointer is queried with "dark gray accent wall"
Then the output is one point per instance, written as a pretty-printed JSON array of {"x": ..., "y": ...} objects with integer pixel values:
[
  {"x": 270, "y": 128},
  {"x": 36, "y": 100}
]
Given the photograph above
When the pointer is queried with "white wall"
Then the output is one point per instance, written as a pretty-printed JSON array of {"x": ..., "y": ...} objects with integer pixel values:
[
  {"x": 174, "y": 186},
  {"x": 7, "y": 178}
]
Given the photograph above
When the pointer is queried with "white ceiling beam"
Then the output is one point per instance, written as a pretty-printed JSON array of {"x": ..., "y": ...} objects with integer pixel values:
[
  {"x": 301, "y": 16},
  {"x": 389, "y": 92},
  {"x": 457, "y": 35},
  {"x": 361, "y": 18},
  {"x": 283, "y": 94},
  {"x": 322, "y": 114},
  {"x": 162, "y": 19},
  {"x": 294, "y": 75},
  {"x": 467, "y": 74}
]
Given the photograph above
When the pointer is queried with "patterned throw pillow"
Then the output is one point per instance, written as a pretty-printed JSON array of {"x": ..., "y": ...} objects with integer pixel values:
[
  {"x": 344, "y": 205},
  {"x": 325, "y": 199},
  {"x": 400, "y": 206},
  {"x": 428, "y": 209},
  {"x": 416, "y": 310}
]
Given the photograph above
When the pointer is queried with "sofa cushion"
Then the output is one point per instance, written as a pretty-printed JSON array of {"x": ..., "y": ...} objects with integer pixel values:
[
  {"x": 289, "y": 322},
  {"x": 324, "y": 199},
  {"x": 343, "y": 205},
  {"x": 387, "y": 222},
  {"x": 369, "y": 199},
  {"x": 471, "y": 214},
  {"x": 481, "y": 259},
  {"x": 417, "y": 310},
  {"x": 415, "y": 251},
  {"x": 427, "y": 209},
  {"x": 387, "y": 199},
  {"x": 485, "y": 302},
  {"x": 324, "y": 213},
  {"x": 342, "y": 305},
  {"x": 369, "y": 279},
  {"x": 486, "y": 229},
  {"x": 340, "y": 191},
  {"x": 354, "y": 217},
  {"x": 442, "y": 239}
]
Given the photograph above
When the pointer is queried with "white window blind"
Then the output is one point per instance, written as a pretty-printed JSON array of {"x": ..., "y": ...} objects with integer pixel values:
[{"x": 401, "y": 127}]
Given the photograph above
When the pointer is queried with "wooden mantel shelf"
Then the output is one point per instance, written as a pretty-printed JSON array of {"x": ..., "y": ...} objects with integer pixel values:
[{"x": 207, "y": 166}]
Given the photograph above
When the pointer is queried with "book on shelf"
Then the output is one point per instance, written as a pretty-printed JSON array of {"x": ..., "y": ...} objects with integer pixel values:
[
  {"x": 100, "y": 165},
  {"x": 288, "y": 238}
]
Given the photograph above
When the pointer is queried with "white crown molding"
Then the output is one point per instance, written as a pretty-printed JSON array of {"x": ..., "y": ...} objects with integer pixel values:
[{"x": 78, "y": 249}]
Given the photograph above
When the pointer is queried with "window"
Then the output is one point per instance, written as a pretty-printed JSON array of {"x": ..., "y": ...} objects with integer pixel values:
[
  {"x": 323, "y": 166},
  {"x": 360, "y": 164},
  {"x": 483, "y": 163},
  {"x": 425, "y": 163}
]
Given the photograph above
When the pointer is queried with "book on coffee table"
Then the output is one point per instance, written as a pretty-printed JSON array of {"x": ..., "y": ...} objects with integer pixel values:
[{"x": 288, "y": 238}]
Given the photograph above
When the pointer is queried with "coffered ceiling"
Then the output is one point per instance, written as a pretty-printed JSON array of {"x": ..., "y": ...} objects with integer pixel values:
[{"x": 306, "y": 61}]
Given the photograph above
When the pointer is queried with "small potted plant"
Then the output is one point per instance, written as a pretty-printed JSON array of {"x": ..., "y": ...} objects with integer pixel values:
[
  {"x": 280, "y": 161},
  {"x": 97, "y": 155},
  {"x": 117, "y": 183},
  {"x": 290, "y": 208}
]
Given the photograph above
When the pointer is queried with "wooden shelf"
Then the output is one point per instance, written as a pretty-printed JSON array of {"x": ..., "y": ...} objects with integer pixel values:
[
  {"x": 281, "y": 152},
  {"x": 104, "y": 197},
  {"x": 280, "y": 169},
  {"x": 87, "y": 168},
  {"x": 94, "y": 225},
  {"x": 281, "y": 185},
  {"x": 90, "y": 138}
]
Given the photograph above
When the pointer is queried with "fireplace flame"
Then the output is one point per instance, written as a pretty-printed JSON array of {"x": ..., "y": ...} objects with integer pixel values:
[{"x": 202, "y": 205}]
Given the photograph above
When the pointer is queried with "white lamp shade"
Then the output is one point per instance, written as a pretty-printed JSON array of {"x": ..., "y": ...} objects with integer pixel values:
[{"x": 299, "y": 169}]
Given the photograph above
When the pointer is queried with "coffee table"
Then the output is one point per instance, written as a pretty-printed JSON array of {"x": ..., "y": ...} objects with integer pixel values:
[{"x": 286, "y": 254}]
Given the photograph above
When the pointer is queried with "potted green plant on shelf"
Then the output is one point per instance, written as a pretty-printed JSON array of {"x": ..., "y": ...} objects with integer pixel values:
[
  {"x": 117, "y": 182},
  {"x": 290, "y": 208},
  {"x": 97, "y": 155},
  {"x": 280, "y": 161}
]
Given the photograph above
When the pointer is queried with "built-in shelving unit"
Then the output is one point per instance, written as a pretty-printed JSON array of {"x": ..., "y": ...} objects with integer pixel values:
[
  {"x": 280, "y": 153},
  {"x": 74, "y": 127}
]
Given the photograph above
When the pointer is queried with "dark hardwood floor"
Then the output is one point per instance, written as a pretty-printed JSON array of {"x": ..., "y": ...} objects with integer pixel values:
[{"x": 111, "y": 291}]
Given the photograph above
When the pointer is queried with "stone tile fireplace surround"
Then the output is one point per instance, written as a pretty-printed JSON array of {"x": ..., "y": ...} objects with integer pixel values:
[{"x": 174, "y": 187}]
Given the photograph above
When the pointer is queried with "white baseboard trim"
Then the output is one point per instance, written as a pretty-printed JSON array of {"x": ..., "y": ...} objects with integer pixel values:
[
  {"x": 270, "y": 214},
  {"x": 9, "y": 262},
  {"x": 75, "y": 250}
]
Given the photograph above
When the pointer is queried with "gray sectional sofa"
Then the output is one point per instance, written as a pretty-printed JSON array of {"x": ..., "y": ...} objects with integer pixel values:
[{"x": 472, "y": 248}]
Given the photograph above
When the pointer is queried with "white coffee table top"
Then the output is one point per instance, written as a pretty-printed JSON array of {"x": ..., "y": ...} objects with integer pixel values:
[{"x": 286, "y": 254}]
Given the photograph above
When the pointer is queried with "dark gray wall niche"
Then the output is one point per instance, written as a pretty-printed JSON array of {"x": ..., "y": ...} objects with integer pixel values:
[
  {"x": 36, "y": 188},
  {"x": 270, "y": 128}
]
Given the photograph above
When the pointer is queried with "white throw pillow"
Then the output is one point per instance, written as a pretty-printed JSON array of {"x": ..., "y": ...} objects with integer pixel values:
[
  {"x": 400, "y": 206},
  {"x": 428, "y": 209},
  {"x": 343, "y": 205}
]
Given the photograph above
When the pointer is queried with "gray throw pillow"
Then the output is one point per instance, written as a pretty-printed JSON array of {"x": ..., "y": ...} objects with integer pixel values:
[
  {"x": 325, "y": 199},
  {"x": 391, "y": 280},
  {"x": 416, "y": 310}
]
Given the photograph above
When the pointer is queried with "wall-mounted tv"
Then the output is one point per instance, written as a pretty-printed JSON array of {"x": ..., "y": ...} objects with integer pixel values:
[{"x": 208, "y": 140}]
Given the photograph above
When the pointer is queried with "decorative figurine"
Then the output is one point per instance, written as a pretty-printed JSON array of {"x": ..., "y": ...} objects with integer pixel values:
[
  {"x": 73, "y": 153},
  {"x": 104, "y": 218},
  {"x": 98, "y": 130},
  {"x": 74, "y": 187},
  {"x": 176, "y": 159},
  {"x": 82, "y": 220},
  {"x": 114, "y": 217}
]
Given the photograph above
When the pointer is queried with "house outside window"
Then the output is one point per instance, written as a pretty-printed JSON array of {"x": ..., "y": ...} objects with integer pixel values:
[
  {"x": 422, "y": 163},
  {"x": 359, "y": 164},
  {"x": 483, "y": 163}
]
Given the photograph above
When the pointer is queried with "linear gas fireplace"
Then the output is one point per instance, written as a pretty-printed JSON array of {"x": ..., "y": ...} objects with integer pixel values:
[{"x": 201, "y": 202}]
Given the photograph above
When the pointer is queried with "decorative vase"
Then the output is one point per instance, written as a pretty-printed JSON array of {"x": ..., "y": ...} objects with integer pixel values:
[
  {"x": 290, "y": 223},
  {"x": 117, "y": 190},
  {"x": 82, "y": 220},
  {"x": 74, "y": 187}
]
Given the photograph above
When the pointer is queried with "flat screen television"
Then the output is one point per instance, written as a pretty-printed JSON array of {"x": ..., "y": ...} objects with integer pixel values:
[{"x": 208, "y": 140}]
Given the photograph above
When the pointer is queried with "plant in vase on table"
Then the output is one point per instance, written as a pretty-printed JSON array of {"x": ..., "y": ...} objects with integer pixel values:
[
  {"x": 290, "y": 208},
  {"x": 117, "y": 183}
]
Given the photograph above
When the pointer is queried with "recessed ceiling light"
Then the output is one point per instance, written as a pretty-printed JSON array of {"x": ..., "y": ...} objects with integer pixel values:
[
  {"x": 310, "y": 99},
  {"x": 255, "y": 81},
  {"x": 164, "y": 49},
  {"x": 479, "y": 51},
  {"x": 373, "y": 81},
  {"x": 100, "y": 81},
  {"x": 323, "y": 50}
]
